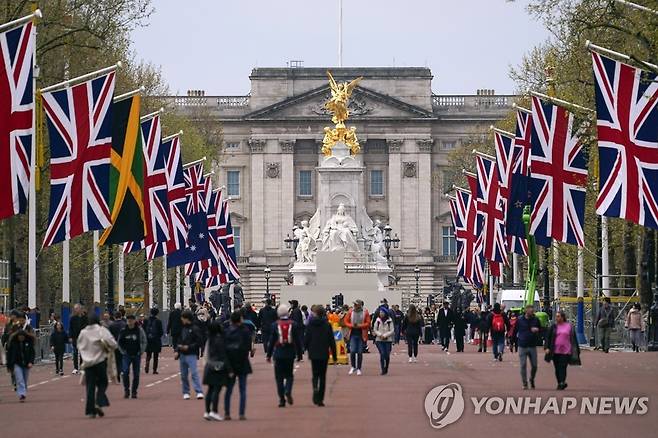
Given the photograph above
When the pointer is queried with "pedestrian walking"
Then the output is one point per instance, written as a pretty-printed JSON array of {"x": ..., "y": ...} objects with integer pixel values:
[
  {"x": 357, "y": 321},
  {"x": 562, "y": 348},
  {"x": 116, "y": 326},
  {"x": 398, "y": 317},
  {"x": 132, "y": 343},
  {"x": 428, "y": 328},
  {"x": 174, "y": 325},
  {"x": 444, "y": 321},
  {"x": 58, "y": 340},
  {"x": 20, "y": 359},
  {"x": 154, "y": 332},
  {"x": 95, "y": 344},
  {"x": 217, "y": 370},
  {"x": 499, "y": 325},
  {"x": 635, "y": 326},
  {"x": 605, "y": 323},
  {"x": 318, "y": 342},
  {"x": 483, "y": 330},
  {"x": 459, "y": 330},
  {"x": 239, "y": 345},
  {"x": 284, "y": 347},
  {"x": 511, "y": 332},
  {"x": 412, "y": 327},
  {"x": 527, "y": 332},
  {"x": 187, "y": 353},
  {"x": 266, "y": 317},
  {"x": 384, "y": 330},
  {"x": 77, "y": 322}
]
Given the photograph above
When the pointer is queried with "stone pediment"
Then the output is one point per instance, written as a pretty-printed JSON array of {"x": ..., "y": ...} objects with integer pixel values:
[{"x": 364, "y": 104}]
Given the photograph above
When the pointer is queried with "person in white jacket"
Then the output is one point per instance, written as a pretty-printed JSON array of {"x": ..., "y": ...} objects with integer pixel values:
[
  {"x": 94, "y": 344},
  {"x": 384, "y": 331}
]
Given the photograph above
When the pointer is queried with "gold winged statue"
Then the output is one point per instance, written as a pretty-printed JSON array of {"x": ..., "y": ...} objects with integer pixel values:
[{"x": 337, "y": 105}]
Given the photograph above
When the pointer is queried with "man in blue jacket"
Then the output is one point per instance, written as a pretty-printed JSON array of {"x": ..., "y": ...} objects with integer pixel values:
[{"x": 527, "y": 332}]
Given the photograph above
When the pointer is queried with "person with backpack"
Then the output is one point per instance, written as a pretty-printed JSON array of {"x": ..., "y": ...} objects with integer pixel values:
[
  {"x": 527, "y": 331},
  {"x": 357, "y": 321},
  {"x": 154, "y": 333},
  {"x": 605, "y": 323},
  {"x": 499, "y": 325},
  {"x": 284, "y": 346},
  {"x": 238, "y": 340},
  {"x": 318, "y": 342},
  {"x": 444, "y": 321},
  {"x": 58, "y": 340},
  {"x": 132, "y": 343},
  {"x": 384, "y": 330}
]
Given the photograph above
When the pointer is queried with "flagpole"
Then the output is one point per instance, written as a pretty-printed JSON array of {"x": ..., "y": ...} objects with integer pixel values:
[
  {"x": 66, "y": 276},
  {"x": 520, "y": 108},
  {"x": 121, "y": 277},
  {"x": 580, "y": 325},
  {"x": 192, "y": 163},
  {"x": 165, "y": 286},
  {"x": 560, "y": 102},
  {"x": 129, "y": 94},
  {"x": 502, "y": 132},
  {"x": 150, "y": 286},
  {"x": 556, "y": 272},
  {"x": 74, "y": 81},
  {"x": 604, "y": 51},
  {"x": 179, "y": 296},
  {"x": 605, "y": 257},
  {"x": 32, "y": 189},
  {"x": 169, "y": 137},
  {"x": 483, "y": 155},
  {"x": 151, "y": 115},
  {"x": 97, "y": 271},
  {"x": 515, "y": 268}
]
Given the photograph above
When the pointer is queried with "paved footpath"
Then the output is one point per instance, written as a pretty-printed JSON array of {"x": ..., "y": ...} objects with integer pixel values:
[{"x": 364, "y": 406}]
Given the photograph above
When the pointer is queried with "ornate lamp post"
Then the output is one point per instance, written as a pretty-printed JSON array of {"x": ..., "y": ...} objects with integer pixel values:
[
  {"x": 292, "y": 242},
  {"x": 388, "y": 241},
  {"x": 417, "y": 276},
  {"x": 267, "y": 271}
]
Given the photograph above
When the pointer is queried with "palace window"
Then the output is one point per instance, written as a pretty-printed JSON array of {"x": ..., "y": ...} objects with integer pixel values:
[
  {"x": 232, "y": 145},
  {"x": 376, "y": 182},
  {"x": 449, "y": 244},
  {"x": 448, "y": 145},
  {"x": 305, "y": 185},
  {"x": 236, "y": 241},
  {"x": 233, "y": 183}
]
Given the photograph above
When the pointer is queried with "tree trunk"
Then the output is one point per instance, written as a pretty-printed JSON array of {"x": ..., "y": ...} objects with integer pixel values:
[
  {"x": 647, "y": 267},
  {"x": 630, "y": 261}
]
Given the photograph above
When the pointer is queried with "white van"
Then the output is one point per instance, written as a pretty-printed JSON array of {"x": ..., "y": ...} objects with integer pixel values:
[{"x": 514, "y": 298}]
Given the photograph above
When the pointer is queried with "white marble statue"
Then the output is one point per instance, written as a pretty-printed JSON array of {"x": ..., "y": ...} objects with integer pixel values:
[
  {"x": 340, "y": 232},
  {"x": 377, "y": 247},
  {"x": 305, "y": 245}
]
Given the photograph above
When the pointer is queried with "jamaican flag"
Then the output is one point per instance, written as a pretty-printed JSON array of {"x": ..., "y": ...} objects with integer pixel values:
[{"x": 126, "y": 175}]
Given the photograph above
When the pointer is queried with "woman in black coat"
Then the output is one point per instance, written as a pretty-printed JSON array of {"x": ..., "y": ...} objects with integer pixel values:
[
  {"x": 460, "y": 330},
  {"x": 58, "y": 340},
  {"x": 318, "y": 341},
  {"x": 411, "y": 328},
  {"x": 239, "y": 346},
  {"x": 154, "y": 332},
  {"x": 217, "y": 370}
]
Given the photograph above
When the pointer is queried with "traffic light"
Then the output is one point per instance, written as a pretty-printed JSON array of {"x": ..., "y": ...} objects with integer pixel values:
[
  {"x": 334, "y": 301},
  {"x": 273, "y": 299},
  {"x": 15, "y": 274},
  {"x": 339, "y": 300}
]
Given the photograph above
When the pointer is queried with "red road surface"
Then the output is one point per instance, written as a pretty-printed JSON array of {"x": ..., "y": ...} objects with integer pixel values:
[{"x": 365, "y": 406}]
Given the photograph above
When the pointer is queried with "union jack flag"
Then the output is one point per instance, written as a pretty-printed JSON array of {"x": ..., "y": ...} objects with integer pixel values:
[
  {"x": 16, "y": 118},
  {"x": 506, "y": 157},
  {"x": 627, "y": 125},
  {"x": 470, "y": 263},
  {"x": 177, "y": 219},
  {"x": 80, "y": 131},
  {"x": 490, "y": 205},
  {"x": 156, "y": 205},
  {"x": 558, "y": 175}
]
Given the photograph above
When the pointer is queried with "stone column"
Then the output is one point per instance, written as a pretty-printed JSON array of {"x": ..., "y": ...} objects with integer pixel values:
[
  {"x": 394, "y": 185},
  {"x": 256, "y": 147},
  {"x": 425, "y": 195},
  {"x": 288, "y": 190}
]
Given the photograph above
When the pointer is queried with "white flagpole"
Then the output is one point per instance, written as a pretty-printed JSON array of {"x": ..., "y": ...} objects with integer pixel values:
[
  {"x": 515, "y": 268},
  {"x": 97, "y": 270},
  {"x": 340, "y": 33},
  {"x": 32, "y": 190},
  {"x": 66, "y": 276},
  {"x": 165, "y": 286},
  {"x": 150, "y": 280},
  {"x": 187, "y": 291},
  {"x": 556, "y": 271},
  {"x": 581, "y": 274},
  {"x": 605, "y": 260},
  {"x": 122, "y": 278}
]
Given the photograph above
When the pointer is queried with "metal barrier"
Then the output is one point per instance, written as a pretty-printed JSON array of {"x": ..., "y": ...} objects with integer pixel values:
[{"x": 42, "y": 344}]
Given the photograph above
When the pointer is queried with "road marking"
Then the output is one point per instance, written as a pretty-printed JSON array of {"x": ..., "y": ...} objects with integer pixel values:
[{"x": 162, "y": 380}]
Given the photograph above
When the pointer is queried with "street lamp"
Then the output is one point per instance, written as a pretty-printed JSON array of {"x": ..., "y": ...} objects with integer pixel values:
[
  {"x": 267, "y": 271},
  {"x": 291, "y": 242},
  {"x": 417, "y": 276},
  {"x": 388, "y": 241}
]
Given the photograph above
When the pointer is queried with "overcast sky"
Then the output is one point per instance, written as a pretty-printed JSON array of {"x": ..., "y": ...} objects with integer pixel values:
[{"x": 214, "y": 44}]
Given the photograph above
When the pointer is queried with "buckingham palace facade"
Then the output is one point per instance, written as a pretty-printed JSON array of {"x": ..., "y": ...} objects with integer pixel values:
[{"x": 272, "y": 141}]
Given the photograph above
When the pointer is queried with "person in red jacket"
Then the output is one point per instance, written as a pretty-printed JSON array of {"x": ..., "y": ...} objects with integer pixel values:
[{"x": 357, "y": 321}]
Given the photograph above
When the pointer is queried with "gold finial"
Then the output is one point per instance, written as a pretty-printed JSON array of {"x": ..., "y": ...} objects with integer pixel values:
[{"x": 337, "y": 105}]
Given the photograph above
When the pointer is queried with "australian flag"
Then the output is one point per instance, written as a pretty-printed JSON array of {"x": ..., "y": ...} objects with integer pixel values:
[
  {"x": 197, "y": 246},
  {"x": 518, "y": 196}
]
